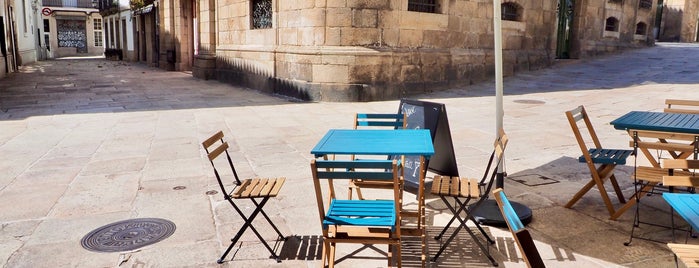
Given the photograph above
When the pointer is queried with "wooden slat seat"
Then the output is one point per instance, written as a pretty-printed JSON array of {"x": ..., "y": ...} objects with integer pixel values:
[
  {"x": 687, "y": 254},
  {"x": 259, "y": 188},
  {"x": 455, "y": 186},
  {"x": 682, "y": 106},
  {"x": 655, "y": 174},
  {"x": 607, "y": 156}
]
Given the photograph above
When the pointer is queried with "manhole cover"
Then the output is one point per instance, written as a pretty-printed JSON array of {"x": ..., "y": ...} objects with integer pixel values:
[
  {"x": 128, "y": 235},
  {"x": 529, "y": 101},
  {"x": 211, "y": 192},
  {"x": 177, "y": 188}
]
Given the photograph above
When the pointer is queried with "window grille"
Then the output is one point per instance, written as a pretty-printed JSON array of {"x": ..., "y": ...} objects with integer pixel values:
[
  {"x": 261, "y": 14},
  {"x": 612, "y": 24},
  {"x": 510, "y": 11},
  {"x": 647, "y": 4},
  {"x": 427, "y": 6}
]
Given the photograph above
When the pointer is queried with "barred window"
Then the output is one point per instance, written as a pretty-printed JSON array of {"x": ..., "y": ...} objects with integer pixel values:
[
  {"x": 641, "y": 28},
  {"x": 427, "y": 6},
  {"x": 612, "y": 24},
  {"x": 647, "y": 4},
  {"x": 511, "y": 11},
  {"x": 261, "y": 14}
]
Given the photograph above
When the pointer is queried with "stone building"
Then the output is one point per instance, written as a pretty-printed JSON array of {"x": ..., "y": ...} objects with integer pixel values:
[
  {"x": 19, "y": 34},
  {"x": 679, "y": 20},
  {"x": 362, "y": 50}
]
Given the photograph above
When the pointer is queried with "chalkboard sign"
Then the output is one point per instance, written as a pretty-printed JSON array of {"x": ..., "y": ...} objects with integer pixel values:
[{"x": 432, "y": 116}]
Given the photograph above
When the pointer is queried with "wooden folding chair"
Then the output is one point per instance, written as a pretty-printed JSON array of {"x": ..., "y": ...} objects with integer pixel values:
[
  {"x": 521, "y": 235},
  {"x": 685, "y": 106},
  {"x": 373, "y": 121},
  {"x": 463, "y": 191},
  {"x": 261, "y": 189},
  {"x": 607, "y": 159},
  {"x": 358, "y": 221}
]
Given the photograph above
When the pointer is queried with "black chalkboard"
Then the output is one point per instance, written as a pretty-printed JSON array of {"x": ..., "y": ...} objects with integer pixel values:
[{"x": 432, "y": 116}]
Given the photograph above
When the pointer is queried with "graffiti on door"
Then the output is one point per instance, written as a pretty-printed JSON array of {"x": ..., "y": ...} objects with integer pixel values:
[{"x": 71, "y": 33}]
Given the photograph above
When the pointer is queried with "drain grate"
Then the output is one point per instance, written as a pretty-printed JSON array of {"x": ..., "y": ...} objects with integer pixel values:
[
  {"x": 533, "y": 179},
  {"x": 128, "y": 235}
]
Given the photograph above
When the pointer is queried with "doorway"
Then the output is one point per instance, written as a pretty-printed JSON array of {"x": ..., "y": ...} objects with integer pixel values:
[{"x": 565, "y": 23}]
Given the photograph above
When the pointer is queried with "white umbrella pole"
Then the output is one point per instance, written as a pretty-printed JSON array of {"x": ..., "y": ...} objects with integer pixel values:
[{"x": 499, "y": 111}]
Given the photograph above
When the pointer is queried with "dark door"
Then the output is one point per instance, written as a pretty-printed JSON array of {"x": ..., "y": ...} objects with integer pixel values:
[{"x": 565, "y": 23}]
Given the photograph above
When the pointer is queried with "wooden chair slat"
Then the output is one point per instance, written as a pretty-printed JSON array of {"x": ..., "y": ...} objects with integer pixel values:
[
  {"x": 216, "y": 152},
  {"x": 258, "y": 188},
  {"x": 277, "y": 186},
  {"x": 213, "y": 139}
]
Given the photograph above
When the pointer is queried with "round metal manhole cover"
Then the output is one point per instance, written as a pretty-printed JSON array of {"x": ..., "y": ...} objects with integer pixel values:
[
  {"x": 530, "y": 101},
  {"x": 128, "y": 235}
]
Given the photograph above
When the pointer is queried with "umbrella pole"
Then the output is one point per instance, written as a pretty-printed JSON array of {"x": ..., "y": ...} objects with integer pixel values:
[
  {"x": 499, "y": 110},
  {"x": 489, "y": 213}
]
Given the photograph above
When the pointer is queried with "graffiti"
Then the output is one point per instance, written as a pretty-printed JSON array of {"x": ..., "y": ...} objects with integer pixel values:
[{"x": 71, "y": 33}]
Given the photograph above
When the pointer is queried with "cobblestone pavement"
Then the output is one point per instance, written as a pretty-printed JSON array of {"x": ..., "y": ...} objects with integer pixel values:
[{"x": 88, "y": 142}]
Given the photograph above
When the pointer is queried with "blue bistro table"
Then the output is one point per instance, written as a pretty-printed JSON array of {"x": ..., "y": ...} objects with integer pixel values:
[
  {"x": 682, "y": 129},
  {"x": 405, "y": 142}
]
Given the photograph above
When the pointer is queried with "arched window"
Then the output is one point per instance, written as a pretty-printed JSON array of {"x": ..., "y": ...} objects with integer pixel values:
[
  {"x": 612, "y": 24},
  {"x": 641, "y": 28},
  {"x": 647, "y": 4},
  {"x": 511, "y": 11}
]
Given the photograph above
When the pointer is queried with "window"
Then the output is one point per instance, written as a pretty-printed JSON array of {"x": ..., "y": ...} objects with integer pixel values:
[
  {"x": 647, "y": 4},
  {"x": 612, "y": 24},
  {"x": 511, "y": 11},
  {"x": 427, "y": 6},
  {"x": 641, "y": 28},
  {"x": 97, "y": 24},
  {"x": 47, "y": 27},
  {"x": 261, "y": 14}
]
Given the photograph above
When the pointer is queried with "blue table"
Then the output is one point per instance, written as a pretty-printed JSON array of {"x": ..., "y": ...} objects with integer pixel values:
[
  {"x": 687, "y": 205},
  {"x": 405, "y": 142},
  {"x": 375, "y": 142},
  {"x": 676, "y": 133},
  {"x": 657, "y": 121},
  {"x": 664, "y": 127}
]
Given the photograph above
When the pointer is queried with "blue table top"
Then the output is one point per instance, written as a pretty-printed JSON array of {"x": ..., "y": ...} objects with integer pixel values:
[
  {"x": 687, "y": 205},
  {"x": 375, "y": 142},
  {"x": 657, "y": 121}
]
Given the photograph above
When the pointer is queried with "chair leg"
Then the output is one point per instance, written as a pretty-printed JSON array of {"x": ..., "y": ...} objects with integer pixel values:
[
  {"x": 248, "y": 224},
  {"x": 331, "y": 259},
  {"x": 398, "y": 254},
  {"x": 617, "y": 189},
  {"x": 454, "y": 211},
  {"x": 269, "y": 220}
]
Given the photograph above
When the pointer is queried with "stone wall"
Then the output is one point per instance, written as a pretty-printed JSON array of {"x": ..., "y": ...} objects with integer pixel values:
[{"x": 362, "y": 50}]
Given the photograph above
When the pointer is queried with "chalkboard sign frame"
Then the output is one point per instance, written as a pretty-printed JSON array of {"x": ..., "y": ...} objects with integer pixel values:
[{"x": 432, "y": 116}]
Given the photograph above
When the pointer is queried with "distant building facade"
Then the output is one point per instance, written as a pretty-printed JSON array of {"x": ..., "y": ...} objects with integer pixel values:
[
  {"x": 71, "y": 28},
  {"x": 376, "y": 49}
]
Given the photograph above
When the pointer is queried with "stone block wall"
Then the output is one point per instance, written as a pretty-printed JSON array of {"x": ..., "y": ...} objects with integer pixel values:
[{"x": 362, "y": 50}]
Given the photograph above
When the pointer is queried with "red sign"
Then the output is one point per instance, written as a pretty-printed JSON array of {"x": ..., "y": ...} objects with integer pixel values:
[{"x": 46, "y": 11}]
